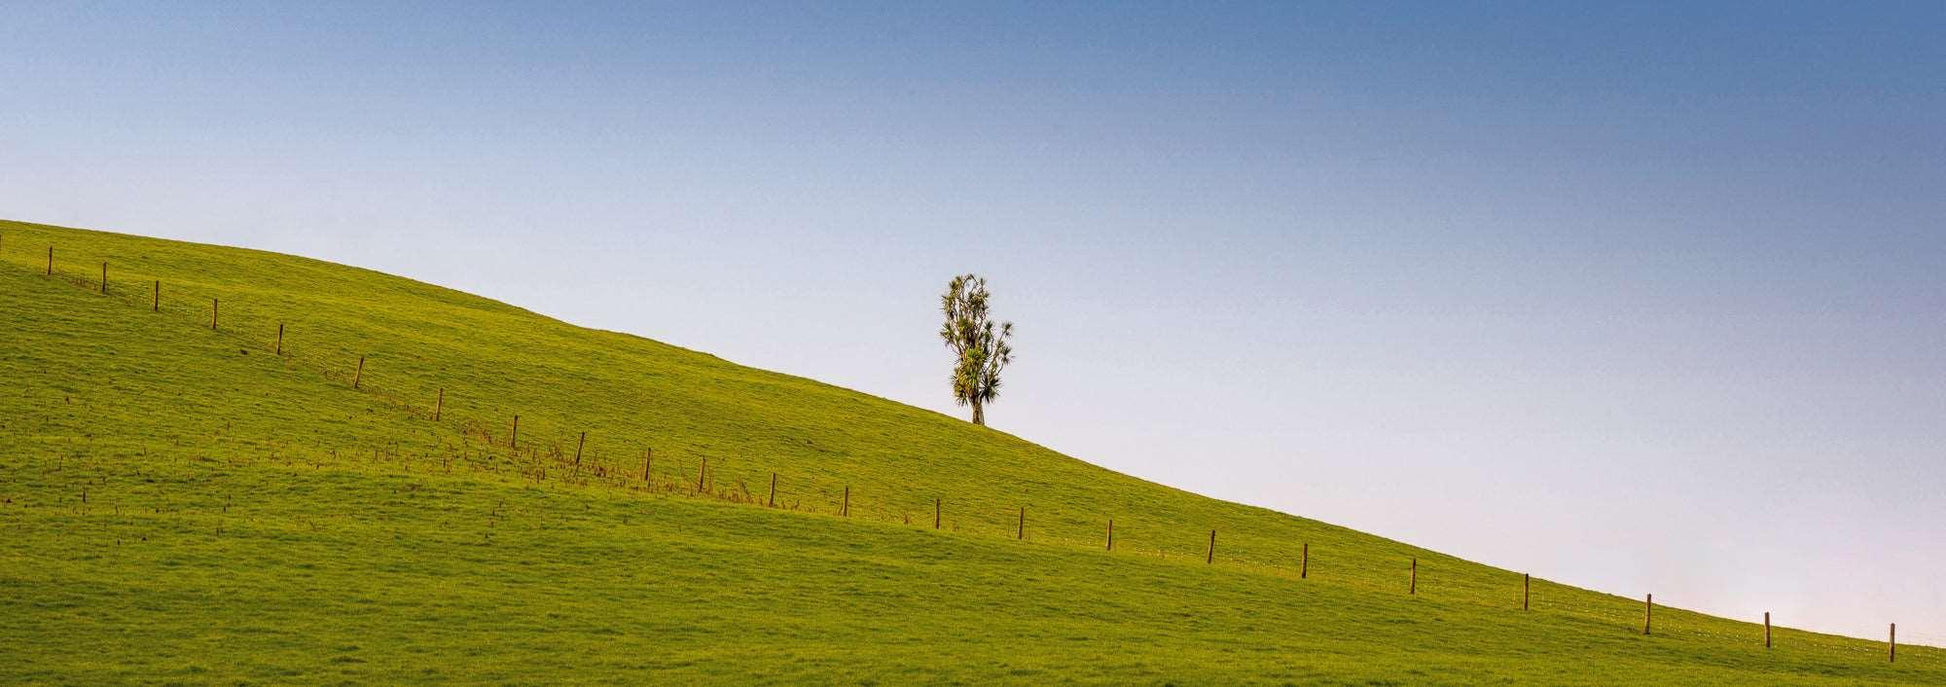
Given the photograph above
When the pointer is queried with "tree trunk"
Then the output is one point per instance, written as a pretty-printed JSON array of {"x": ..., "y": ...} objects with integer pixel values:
[{"x": 979, "y": 414}]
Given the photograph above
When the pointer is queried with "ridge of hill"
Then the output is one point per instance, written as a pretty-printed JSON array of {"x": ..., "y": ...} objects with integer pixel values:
[{"x": 225, "y": 465}]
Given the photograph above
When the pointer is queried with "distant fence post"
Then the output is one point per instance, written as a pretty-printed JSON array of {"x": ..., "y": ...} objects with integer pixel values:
[
  {"x": 772, "y": 503},
  {"x": 577, "y": 452},
  {"x": 1211, "y": 558},
  {"x": 699, "y": 475},
  {"x": 1304, "y": 561},
  {"x": 845, "y": 510},
  {"x": 1766, "y": 629},
  {"x": 212, "y": 314},
  {"x": 104, "y": 278},
  {"x": 437, "y": 406},
  {"x": 648, "y": 461},
  {"x": 1111, "y": 534},
  {"x": 358, "y": 376},
  {"x": 513, "y": 441},
  {"x": 1020, "y": 531},
  {"x": 50, "y": 261},
  {"x": 1892, "y": 644},
  {"x": 280, "y": 339},
  {"x": 156, "y": 305},
  {"x": 1648, "y": 612},
  {"x": 1412, "y": 586},
  {"x": 935, "y": 512},
  {"x": 1527, "y": 590}
]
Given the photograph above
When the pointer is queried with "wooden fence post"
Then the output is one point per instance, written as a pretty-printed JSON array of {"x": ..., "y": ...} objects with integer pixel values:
[
  {"x": 1211, "y": 558},
  {"x": 1304, "y": 562},
  {"x": 1527, "y": 589},
  {"x": 845, "y": 510},
  {"x": 1648, "y": 612},
  {"x": 648, "y": 461},
  {"x": 50, "y": 261},
  {"x": 772, "y": 503},
  {"x": 104, "y": 278},
  {"x": 1111, "y": 534},
  {"x": 577, "y": 452},
  {"x": 280, "y": 339},
  {"x": 212, "y": 314},
  {"x": 935, "y": 512},
  {"x": 1892, "y": 644},
  {"x": 699, "y": 475},
  {"x": 156, "y": 305},
  {"x": 1413, "y": 586},
  {"x": 439, "y": 405},
  {"x": 1766, "y": 629},
  {"x": 358, "y": 376},
  {"x": 1020, "y": 531}
]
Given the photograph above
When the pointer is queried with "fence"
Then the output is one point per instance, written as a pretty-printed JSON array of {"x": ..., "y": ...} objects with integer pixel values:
[{"x": 535, "y": 459}]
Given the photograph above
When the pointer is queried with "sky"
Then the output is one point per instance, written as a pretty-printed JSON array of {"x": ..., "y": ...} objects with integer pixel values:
[{"x": 1641, "y": 298}]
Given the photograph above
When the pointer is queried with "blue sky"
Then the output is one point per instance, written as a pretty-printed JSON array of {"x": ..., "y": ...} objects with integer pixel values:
[{"x": 1642, "y": 298}]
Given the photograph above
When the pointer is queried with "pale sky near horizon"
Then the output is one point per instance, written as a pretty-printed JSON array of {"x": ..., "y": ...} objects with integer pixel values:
[{"x": 1643, "y": 299}]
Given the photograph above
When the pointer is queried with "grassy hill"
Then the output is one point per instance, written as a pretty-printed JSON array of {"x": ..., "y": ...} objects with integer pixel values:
[{"x": 187, "y": 504}]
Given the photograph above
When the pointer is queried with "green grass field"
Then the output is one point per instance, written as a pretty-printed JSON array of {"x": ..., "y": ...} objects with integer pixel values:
[{"x": 184, "y": 505}]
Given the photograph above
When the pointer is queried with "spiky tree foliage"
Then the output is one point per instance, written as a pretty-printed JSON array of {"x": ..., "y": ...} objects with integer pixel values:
[{"x": 980, "y": 346}]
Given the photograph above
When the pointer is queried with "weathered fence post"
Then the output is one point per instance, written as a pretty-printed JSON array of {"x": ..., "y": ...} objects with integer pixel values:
[
  {"x": 439, "y": 405},
  {"x": 1648, "y": 612},
  {"x": 280, "y": 339},
  {"x": 699, "y": 475},
  {"x": 104, "y": 278},
  {"x": 935, "y": 512},
  {"x": 1020, "y": 531},
  {"x": 156, "y": 305},
  {"x": 513, "y": 441},
  {"x": 1892, "y": 644},
  {"x": 648, "y": 461},
  {"x": 1211, "y": 558},
  {"x": 212, "y": 314},
  {"x": 577, "y": 452},
  {"x": 772, "y": 503},
  {"x": 845, "y": 510},
  {"x": 1111, "y": 534},
  {"x": 1413, "y": 586},
  {"x": 50, "y": 261},
  {"x": 1527, "y": 589},
  {"x": 1304, "y": 562},
  {"x": 1766, "y": 629},
  {"x": 358, "y": 376}
]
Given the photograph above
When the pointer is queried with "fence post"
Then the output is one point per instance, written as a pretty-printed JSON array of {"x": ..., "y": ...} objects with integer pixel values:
[
  {"x": 699, "y": 475},
  {"x": 935, "y": 512},
  {"x": 1766, "y": 629},
  {"x": 1413, "y": 586},
  {"x": 50, "y": 261},
  {"x": 1648, "y": 612},
  {"x": 156, "y": 306},
  {"x": 104, "y": 278},
  {"x": 439, "y": 405},
  {"x": 212, "y": 314},
  {"x": 1527, "y": 589},
  {"x": 845, "y": 510},
  {"x": 648, "y": 461},
  {"x": 1304, "y": 562},
  {"x": 358, "y": 376},
  {"x": 1111, "y": 534},
  {"x": 772, "y": 503},
  {"x": 280, "y": 339},
  {"x": 1211, "y": 559},
  {"x": 1021, "y": 530},
  {"x": 513, "y": 441},
  {"x": 577, "y": 452},
  {"x": 1892, "y": 644}
]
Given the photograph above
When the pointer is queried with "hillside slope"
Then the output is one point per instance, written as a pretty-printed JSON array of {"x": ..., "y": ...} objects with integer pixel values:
[{"x": 188, "y": 503}]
